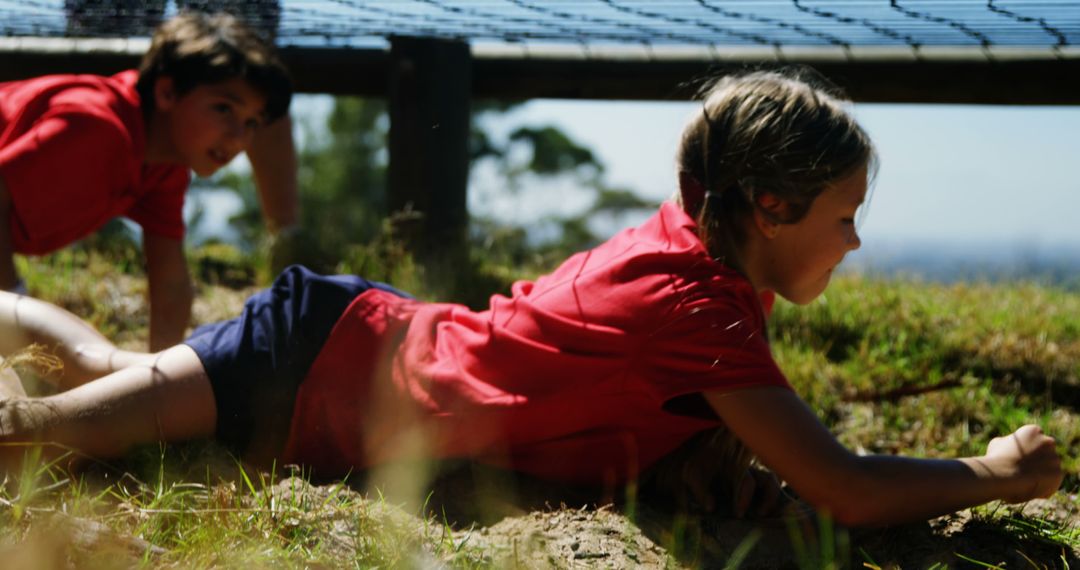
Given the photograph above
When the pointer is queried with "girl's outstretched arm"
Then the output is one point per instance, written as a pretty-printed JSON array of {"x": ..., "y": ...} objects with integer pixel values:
[{"x": 872, "y": 490}]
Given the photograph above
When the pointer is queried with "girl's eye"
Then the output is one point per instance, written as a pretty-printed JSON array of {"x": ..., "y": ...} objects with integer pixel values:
[
  {"x": 848, "y": 221},
  {"x": 223, "y": 108},
  {"x": 252, "y": 124}
]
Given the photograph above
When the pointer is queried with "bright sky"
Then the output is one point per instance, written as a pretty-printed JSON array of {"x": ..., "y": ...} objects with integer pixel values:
[{"x": 949, "y": 174}]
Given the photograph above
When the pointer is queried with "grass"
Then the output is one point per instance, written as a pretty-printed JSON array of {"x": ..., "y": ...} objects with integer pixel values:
[
  {"x": 892, "y": 366},
  {"x": 935, "y": 370}
]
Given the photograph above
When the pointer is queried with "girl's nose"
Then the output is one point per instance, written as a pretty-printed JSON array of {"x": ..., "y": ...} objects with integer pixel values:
[{"x": 854, "y": 241}]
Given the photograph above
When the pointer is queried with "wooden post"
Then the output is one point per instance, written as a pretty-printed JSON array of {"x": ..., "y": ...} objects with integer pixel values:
[{"x": 429, "y": 93}]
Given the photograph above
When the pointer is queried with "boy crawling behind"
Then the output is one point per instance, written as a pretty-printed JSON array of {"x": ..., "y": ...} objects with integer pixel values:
[{"x": 79, "y": 150}]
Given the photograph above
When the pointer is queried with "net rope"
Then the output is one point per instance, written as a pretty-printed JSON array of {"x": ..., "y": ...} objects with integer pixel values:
[{"x": 716, "y": 24}]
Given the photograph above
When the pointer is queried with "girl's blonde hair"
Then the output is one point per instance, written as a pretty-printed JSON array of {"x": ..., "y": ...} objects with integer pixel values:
[{"x": 764, "y": 132}]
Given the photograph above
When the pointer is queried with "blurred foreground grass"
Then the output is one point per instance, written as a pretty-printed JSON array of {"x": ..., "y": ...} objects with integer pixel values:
[{"x": 892, "y": 366}]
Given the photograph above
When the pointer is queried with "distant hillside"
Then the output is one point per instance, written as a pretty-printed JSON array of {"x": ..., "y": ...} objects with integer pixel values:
[{"x": 990, "y": 262}]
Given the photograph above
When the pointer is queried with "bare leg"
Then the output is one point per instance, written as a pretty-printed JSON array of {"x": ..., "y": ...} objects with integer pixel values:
[
  {"x": 87, "y": 354},
  {"x": 168, "y": 399}
]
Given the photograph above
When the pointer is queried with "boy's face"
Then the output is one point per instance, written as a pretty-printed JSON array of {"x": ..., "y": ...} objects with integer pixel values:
[{"x": 210, "y": 124}]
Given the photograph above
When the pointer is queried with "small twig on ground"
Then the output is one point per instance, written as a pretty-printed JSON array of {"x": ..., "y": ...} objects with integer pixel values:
[{"x": 902, "y": 391}]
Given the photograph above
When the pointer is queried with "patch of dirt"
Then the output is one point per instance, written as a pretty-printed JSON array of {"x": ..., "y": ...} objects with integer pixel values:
[
  {"x": 566, "y": 538},
  {"x": 527, "y": 534},
  {"x": 341, "y": 521}
]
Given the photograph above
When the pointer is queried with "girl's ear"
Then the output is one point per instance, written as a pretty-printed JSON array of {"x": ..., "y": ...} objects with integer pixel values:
[
  {"x": 768, "y": 213},
  {"x": 164, "y": 94}
]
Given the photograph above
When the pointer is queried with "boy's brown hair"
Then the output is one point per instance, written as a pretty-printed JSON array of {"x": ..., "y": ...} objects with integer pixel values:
[
  {"x": 198, "y": 49},
  {"x": 782, "y": 133}
]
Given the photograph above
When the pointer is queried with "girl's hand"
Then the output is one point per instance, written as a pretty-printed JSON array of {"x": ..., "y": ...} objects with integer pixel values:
[{"x": 1030, "y": 457}]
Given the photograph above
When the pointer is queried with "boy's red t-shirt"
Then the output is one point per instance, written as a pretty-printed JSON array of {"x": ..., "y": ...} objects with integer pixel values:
[
  {"x": 71, "y": 158},
  {"x": 571, "y": 378}
]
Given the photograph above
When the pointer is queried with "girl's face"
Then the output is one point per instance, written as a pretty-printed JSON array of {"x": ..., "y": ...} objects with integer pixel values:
[{"x": 797, "y": 260}]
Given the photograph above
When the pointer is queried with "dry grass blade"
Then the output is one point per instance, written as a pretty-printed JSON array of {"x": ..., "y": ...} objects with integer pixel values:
[{"x": 35, "y": 356}]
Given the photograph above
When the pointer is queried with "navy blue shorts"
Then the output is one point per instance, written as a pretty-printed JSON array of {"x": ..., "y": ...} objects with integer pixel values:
[{"x": 257, "y": 361}]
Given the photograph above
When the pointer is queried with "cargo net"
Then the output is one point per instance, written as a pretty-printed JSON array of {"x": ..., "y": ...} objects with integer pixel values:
[{"x": 715, "y": 24}]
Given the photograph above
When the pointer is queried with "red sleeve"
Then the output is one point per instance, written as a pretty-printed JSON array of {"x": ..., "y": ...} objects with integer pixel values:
[
  {"x": 717, "y": 345},
  {"x": 160, "y": 211},
  {"x": 63, "y": 175}
]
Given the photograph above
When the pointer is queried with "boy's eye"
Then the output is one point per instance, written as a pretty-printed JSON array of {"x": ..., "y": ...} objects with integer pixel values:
[
  {"x": 223, "y": 108},
  {"x": 848, "y": 221},
  {"x": 252, "y": 124}
]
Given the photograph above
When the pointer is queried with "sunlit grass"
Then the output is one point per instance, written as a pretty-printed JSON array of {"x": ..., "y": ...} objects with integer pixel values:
[{"x": 932, "y": 369}]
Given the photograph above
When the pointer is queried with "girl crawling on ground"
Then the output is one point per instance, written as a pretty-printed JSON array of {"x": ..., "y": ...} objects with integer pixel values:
[{"x": 590, "y": 374}]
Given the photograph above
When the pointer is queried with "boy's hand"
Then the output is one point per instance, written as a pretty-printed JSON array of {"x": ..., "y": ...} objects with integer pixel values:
[{"x": 1030, "y": 457}]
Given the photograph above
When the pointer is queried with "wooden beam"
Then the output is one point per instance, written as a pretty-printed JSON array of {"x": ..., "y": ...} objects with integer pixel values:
[
  {"x": 429, "y": 103},
  {"x": 1038, "y": 82},
  {"x": 25, "y": 59},
  {"x": 365, "y": 72},
  {"x": 361, "y": 72}
]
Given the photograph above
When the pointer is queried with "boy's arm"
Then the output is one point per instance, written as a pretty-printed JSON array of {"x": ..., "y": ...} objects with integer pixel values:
[
  {"x": 171, "y": 293},
  {"x": 273, "y": 164},
  {"x": 872, "y": 490},
  {"x": 8, "y": 277}
]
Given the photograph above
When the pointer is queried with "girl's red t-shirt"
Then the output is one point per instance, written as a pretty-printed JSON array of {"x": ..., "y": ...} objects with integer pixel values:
[
  {"x": 71, "y": 158},
  {"x": 574, "y": 377}
]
